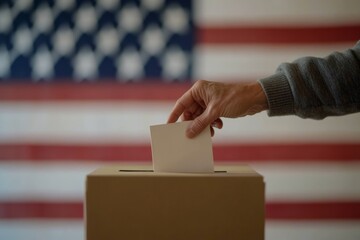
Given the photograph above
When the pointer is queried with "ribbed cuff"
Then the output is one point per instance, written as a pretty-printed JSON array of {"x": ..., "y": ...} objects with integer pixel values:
[{"x": 278, "y": 93}]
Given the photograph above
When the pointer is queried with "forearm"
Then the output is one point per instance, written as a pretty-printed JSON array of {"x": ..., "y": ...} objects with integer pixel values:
[{"x": 315, "y": 87}]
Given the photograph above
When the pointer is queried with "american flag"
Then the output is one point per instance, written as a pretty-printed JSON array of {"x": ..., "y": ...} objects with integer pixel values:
[{"x": 81, "y": 81}]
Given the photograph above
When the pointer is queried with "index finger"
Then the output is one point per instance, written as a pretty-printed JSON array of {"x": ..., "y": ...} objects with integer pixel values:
[{"x": 184, "y": 102}]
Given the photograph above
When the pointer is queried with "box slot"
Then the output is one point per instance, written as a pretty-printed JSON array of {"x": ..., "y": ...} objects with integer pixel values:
[{"x": 143, "y": 170}]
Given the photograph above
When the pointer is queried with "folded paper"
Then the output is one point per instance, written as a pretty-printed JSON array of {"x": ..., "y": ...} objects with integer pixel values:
[{"x": 172, "y": 151}]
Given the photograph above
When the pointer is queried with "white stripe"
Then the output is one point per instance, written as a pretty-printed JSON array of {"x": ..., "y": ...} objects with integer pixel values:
[
  {"x": 41, "y": 229},
  {"x": 44, "y": 181},
  {"x": 285, "y": 182},
  {"x": 236, "y": 62},
  {"x": 275, "y": 230},
  {"x": 279, "y": 12},
  {"x": 313, "y": 181},
  {"x": 128, "y": 123},
  {"x": 90, "y": 122},
  {"x": 312, "y": 230}
]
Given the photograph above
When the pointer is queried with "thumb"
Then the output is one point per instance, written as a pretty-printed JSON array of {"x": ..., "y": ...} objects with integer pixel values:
[{"x": 199, "y": 124}]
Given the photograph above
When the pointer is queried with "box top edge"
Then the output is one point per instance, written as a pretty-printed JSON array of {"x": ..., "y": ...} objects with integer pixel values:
[{"x": 144, "y": 170}]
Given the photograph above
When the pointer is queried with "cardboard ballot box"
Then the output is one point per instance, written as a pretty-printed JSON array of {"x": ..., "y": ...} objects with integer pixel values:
[{"x": 134, "y": 204}]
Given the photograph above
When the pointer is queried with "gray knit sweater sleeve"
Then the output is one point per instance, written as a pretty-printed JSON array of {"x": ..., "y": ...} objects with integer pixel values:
[{"x": 316, "y": 87}]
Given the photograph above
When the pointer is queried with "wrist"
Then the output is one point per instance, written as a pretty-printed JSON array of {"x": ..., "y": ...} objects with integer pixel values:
[
  {"x": 259, "y": 100},
  {"x": 252, "y": 98}
]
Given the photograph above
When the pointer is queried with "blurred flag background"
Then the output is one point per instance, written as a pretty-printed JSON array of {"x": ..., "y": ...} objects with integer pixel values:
[{"x": 81, "y": 81}]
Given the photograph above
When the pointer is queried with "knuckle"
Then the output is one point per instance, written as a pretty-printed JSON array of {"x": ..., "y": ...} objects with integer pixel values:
[
  {"x": 180, "y": 103},
  {"x": 214, "y": 110},
  {"x": 200, "y": 83},
  {"x": 199, "y": 124}
]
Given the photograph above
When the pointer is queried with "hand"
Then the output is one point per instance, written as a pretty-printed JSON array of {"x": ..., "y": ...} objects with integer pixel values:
[{"x": 205, "y": 102}]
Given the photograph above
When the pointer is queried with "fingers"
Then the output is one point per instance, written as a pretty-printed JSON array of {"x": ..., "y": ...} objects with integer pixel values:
[
  {"x": 218, "y": 123},
  {"x": 192, "y": 112},
  {"x": 186, "y": 116},
  {"x": 200, "y": 123},
  {"x": 212, "y": 131},
  {"x": 181, "y": 105}
]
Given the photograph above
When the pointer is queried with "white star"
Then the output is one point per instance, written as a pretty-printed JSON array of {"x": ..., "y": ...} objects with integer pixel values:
[
  {"x": 64, "y": 4},
  {"x": 23, "y": 40},
  {"x": 130, "y": 18},
  {"x": 175, "y": 63},
  {"x": 86, "y": 18},
  {"x": 22, "y": 5},
  {"x": 5, "y": 19},
  {"x": 85, "y": 64},
  {"x": 64, "y": 41},
  {"x": 43, "y": 19},
  {"x": 107, "y": 40},
  {"x": 108, "y": 4},
  {"x": 176, "y": 19},
  {"x": 152, "y": 5},
  {"x": 153, "y": 40},
  {"x": 130, "y": 65},
  {"x": 42, "y": 64}
]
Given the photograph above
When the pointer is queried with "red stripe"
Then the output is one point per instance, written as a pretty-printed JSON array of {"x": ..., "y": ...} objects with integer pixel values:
[
  {"x": 313, "y": 210},
  {"x": 234, "y": 152},
  {"x": 55, "y": 210},
  {"x": 274, "y": 210},
  {"x": 278, "y": 35},
  {"x": 93, "y": 92}
]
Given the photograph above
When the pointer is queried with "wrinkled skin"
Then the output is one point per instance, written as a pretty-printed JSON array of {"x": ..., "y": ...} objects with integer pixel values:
[{"x": 206, "y": 102}]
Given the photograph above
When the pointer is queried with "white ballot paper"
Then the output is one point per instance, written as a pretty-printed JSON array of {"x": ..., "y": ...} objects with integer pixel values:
[{"x": 172, "y": 151}]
